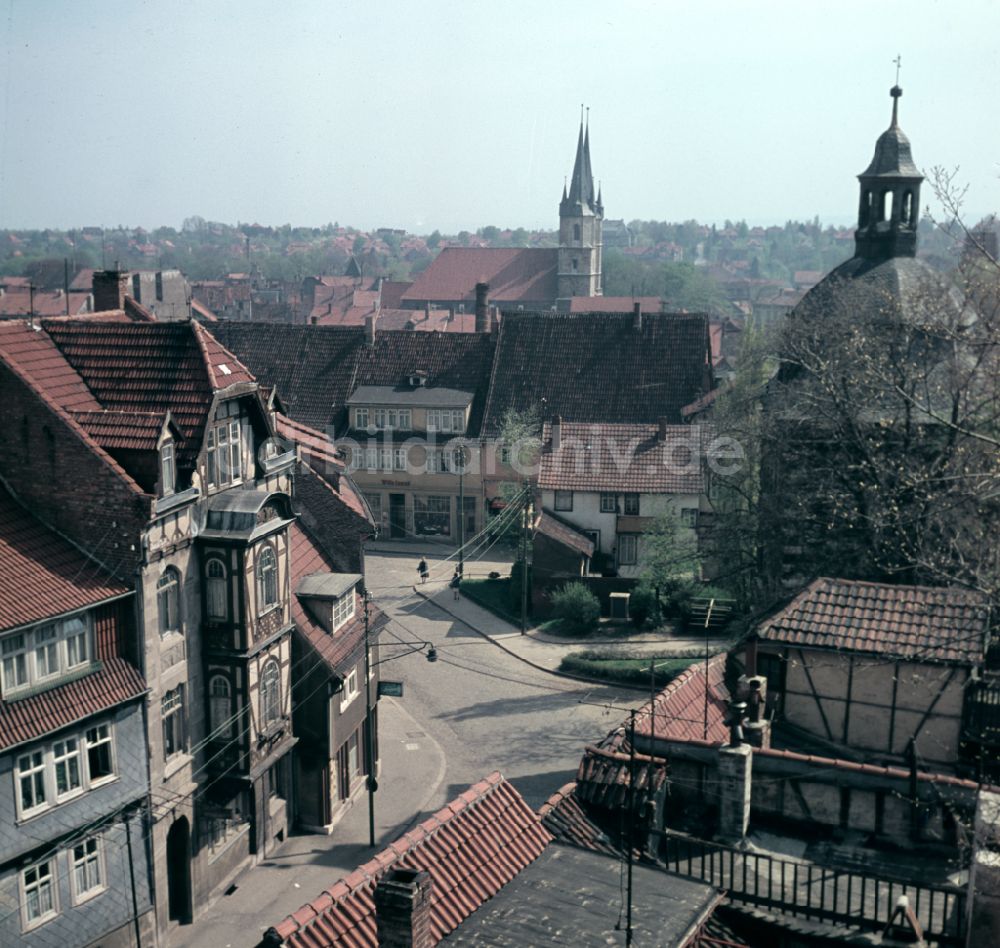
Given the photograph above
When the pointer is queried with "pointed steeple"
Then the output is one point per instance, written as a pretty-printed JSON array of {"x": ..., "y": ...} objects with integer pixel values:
[
  {"x": 581, "y": 188},
  {"x": 890, "y": 195}
]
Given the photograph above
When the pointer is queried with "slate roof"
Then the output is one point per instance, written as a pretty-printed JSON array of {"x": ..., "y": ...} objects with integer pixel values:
[
  {"x": 472, "y": 848},
  {"x": 451, "y": 360},
  {"x": 312, "y": 367},
  {"x": 549, "y": 525},
  {"x": 43, "y": 574},
  {"x": 27, "y": 719},
  {"x": 678, "y": 712},
  {"x": 608, "y": 457},
  {"x": 515, "y": 275},
  {"x": 598, "y": 368},
  {"x": 913, "y": 622}
]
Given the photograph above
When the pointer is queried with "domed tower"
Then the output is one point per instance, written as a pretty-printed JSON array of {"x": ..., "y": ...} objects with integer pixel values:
[
  {"x": 580, "y": 217},
  {"x": 890, "y": 196}
]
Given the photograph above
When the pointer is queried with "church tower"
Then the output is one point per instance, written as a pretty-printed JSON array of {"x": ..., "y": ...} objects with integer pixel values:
[
  {"x": 890, "y": 196},
  {"x": 580, "y": 217}
]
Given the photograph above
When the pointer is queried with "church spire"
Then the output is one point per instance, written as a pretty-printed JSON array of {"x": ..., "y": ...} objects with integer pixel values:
[
  {"x": 581, "y": 189},
  {"x": 890, "y": 195}
]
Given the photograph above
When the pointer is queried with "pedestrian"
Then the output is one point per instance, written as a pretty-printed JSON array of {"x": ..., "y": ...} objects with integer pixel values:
[
  {"x": 422, "y": 570},
  {"x": 456, "y": 582}
]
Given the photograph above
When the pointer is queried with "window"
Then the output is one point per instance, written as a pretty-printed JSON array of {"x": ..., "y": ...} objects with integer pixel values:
[
  {"x": 270, "y": 693},
  {"x": 399, "y": 459},
  {"x": 168, "y": 601},
  {"x": 576, "y": 264},
  {"x": 100, "y": 755},
  {"x": 66, "y": 760},
  {"x": 431, "y": 515},
  {"x": 446, "y": 419},
  {"x": 31, "y": 781},
  {"x": 504, "y": 454},
  {"x": 576, "y": 231},
  {"x": 267, "y": 578},
  {"x": 353, "y": 757},
  {"x": 88, "y": 871},
  {"x": 361, "y": 418},
  {"x": 371, "y": 459},
  {"x": 689, "y": 516},
  {"x": 405, "y": 419},
  {"x": 44, "y": 654},
  {"x": 15, "y": 663},
  {"x": 350, "y": 689},
  {"x": 385, "y": 459},
  {"x": 631, "y": 505},
  {"x": 399, "y": 419},
  {"x": 216, "y": 590},
  {"x": 224, "y": 458},
  {"x": 564, "y": 500},
  {"x": 375, "y": 505},
  {"x": 172, "y": 716},
  {"x": 39, "y": 893},
  {"x": 628, "y": 548},
  {"x": 609, "y": 503},
  {"x": 220, "y": 707},
  {"x": 167, "y": 468},
  {"x": 343, "y": 609}
]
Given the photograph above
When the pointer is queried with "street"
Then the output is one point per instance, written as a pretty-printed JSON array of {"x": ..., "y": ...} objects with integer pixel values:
[{"x": 477, "y": 709}]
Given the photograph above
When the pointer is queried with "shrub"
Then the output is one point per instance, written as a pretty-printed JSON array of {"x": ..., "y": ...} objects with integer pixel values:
[
  {"x": 577, "y": 606},
  {"x": 644, "y": 607}
]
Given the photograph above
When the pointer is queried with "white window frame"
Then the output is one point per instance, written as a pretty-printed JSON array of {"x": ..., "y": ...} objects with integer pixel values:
[
  {"x": 505, "y": 454},
  {"x": 351, "y": 688},
  {"x": 44, "y": 759},
  {"x": 361, "y": 418},
  {"x": 371, "y": 459},
  {"x": 399, "y": 459},
  {"x": 563, "y": 501},
  {"x": 224, "y": 450},
  {"x": 168, "y": 469},
  {"x": 689, "y": 517},
  {"x": 88, "y": 856},
  {"x": 50, "y": 883},
  {"x": 212, "y": 587},
  {"x": 609, "y": 503},
  {"x": 66, "y": 644},
  {"x": 631, "y": 500},
  {"x": 450, "y": 420},
  {"x": 220, "y": 707},
  {"x": 267, "y": 580},
  {"x": 344, "y": 609},
  {"x": 66, "y": 752},
  {"x": 170, "y": 579},
  {"x": 171, "y": 708}
]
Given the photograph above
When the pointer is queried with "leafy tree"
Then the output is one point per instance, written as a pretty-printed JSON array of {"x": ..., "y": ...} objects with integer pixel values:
[{"x": 669, "y": 557}]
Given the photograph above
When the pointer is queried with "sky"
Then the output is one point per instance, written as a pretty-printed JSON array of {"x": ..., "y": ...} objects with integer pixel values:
[{"x": 432, "y": 114}]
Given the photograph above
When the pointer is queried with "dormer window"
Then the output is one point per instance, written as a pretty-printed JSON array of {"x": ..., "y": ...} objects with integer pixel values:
[
  {"x": 343, "y": 609},
  {"x": 44, "y": 655},
  {"x": 224, "y": 448},
  {"x": 168, "y": 471}
]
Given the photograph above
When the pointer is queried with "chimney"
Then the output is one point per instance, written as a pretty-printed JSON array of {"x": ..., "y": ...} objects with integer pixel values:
[
  {"x": 984, "y": 874},
  {"x": 482, "y": 321},
  {"x": 637, "y": 316},
  {"x": 556, "y": 432},
  {"x": 427, "y": 310},
  {"x": 403, "y": 909},
  {"x": 369, "y": 330},
  {"x": 661, "y": 434},
  {"x": 109, "y": 288},
  {"x": 494, "y": 319},
  {"x": 735, "y": 765},
  {"x": 313, "y": 320}
]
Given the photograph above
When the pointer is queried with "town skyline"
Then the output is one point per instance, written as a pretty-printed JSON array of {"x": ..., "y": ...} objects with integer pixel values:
[{"x": 431, "y": 118}]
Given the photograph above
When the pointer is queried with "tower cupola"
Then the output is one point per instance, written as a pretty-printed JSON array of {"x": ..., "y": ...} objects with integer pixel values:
[
  {"x": 581, "y": 213},
  {"x": 890, "y": 196}
]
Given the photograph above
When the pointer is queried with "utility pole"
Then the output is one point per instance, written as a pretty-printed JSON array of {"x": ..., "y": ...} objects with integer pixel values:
[
  {"x": 708, "y": 619},
  {"x": 460, "y": 459},
  {"x": 524, "y": 557},
  {"x": 371, "y": 782},
  {"x": 631, "y": 824},
  {"x": 131, "y": 873}
]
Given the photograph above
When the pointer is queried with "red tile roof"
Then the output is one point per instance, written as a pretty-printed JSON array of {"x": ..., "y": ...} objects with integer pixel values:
[
  {"x": 19, "y": 302},
  {"x": 912, "y": 622},
  {"x": 614, "y": 304},
  {"x": 27, "y": 719},
  {"x": 472, "y": 848},
  {"x": 308, "y": 558},
  {"x": 123, "y": 430},
  {"x": 44, "y": 575},
  {"x": 392, "y": 292},
  {"x": 514, "y": 274},
  {"x": 603, "y": 777},
  {"x": 37, "y": 356},
  {"x": 568, "y": 822},
  {"x": 679, "y": 709},
  {"x": 551, "y": 526},
  {"x": 612, "y": 457}
]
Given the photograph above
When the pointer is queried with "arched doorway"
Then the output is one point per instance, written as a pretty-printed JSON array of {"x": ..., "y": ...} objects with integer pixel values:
[{"x": 179, "y": 871}]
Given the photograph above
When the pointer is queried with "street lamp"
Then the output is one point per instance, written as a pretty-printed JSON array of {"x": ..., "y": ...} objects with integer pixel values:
[
  {"x": 460, "y": 459},
  {"x": 371, "y": 782}
]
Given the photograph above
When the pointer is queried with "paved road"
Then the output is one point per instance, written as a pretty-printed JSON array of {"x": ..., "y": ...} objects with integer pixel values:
[{"x": 478, "y": 709}]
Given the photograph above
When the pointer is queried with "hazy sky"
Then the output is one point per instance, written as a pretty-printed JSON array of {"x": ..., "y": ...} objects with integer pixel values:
[{"x": 455, "y": 115}]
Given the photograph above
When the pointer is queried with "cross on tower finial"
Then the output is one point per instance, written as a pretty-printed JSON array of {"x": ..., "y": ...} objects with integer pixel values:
[{"x": 899, "y": 62}]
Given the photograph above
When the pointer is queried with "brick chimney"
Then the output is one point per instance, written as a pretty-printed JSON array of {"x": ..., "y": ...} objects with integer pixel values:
[
  {"x": 427, "y": 310},
  {"x": 637, "y": 316},
  {"x": 556, "y": 432},
  {"x": 109, "y": 288},
  {"x": 369, "y": 331},
  {"x": 661, "y": 433},
  {"x": 403, "y": 909},
  {"x": 482, "y": 307}
]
